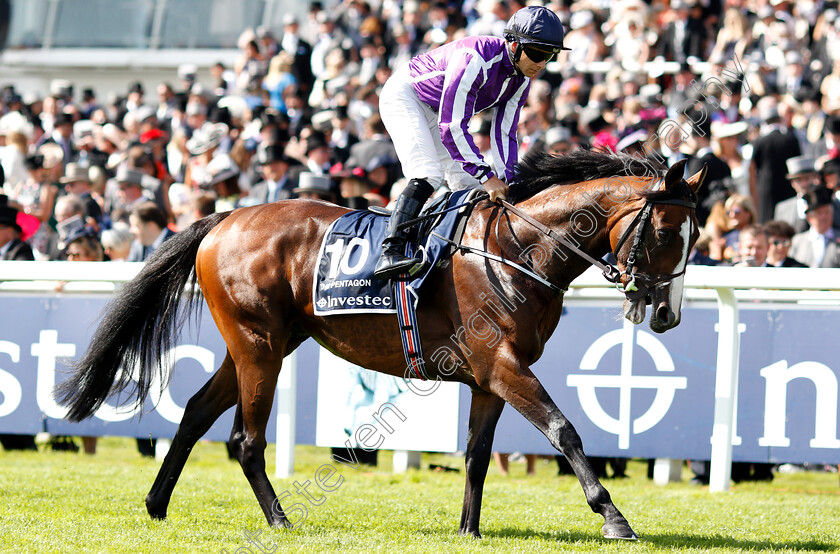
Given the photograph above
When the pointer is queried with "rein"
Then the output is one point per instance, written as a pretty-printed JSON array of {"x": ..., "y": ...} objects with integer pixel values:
[{"x": 610, "y": 271}]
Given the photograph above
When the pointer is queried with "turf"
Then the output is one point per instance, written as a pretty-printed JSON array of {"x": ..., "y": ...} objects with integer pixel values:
[{"x": 68, "y": 502}]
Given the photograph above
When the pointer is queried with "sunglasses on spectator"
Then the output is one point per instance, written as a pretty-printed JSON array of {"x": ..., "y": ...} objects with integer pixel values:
[
  {"x": 538, "y": 55},
  {"x": 735, "y": 211},
  {"x": 780, "y": 242}
]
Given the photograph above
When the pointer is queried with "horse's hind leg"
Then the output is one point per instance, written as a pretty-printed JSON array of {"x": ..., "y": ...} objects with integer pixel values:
[
  {"x": 204, "y": 408},
  {"x": 257, "y": 379},
  {"x": 485, "y": 409}
]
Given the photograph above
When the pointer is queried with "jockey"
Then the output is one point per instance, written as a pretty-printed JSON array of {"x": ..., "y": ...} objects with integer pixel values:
[{"x": 427, "y": 105}]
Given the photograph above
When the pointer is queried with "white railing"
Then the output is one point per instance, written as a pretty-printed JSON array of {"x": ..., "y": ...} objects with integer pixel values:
[{"x": 727, "y": 284}]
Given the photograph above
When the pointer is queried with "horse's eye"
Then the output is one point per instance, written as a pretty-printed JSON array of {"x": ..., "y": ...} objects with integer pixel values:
[{"x": 663, "y": 236}]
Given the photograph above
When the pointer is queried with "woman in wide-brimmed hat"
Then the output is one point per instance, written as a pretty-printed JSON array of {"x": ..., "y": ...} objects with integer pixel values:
[{"x": 202, "y": 147}]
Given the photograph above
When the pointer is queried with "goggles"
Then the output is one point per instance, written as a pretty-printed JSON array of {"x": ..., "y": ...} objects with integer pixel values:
[{"x": 538, "y": 55}]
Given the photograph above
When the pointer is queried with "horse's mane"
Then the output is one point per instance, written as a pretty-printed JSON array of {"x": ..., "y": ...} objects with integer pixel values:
[{"x": 539, "y": 170}]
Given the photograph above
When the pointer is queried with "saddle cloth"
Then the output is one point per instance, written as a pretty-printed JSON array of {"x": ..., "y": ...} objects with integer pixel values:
[{"x": 343, "y": 279}]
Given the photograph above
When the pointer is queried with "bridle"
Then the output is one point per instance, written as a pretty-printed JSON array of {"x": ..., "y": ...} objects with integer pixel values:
[
  {"x": 640, "y": 222},
  {"x": 610, "y": 271}
]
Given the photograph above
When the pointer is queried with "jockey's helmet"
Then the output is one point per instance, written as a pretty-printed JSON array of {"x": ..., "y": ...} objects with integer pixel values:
[{"x": 536, "y": 25}]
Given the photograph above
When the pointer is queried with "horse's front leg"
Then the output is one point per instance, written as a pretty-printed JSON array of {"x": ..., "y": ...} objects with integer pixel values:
[
  {"x": 485, "y": 409},
  {"x": 518, "y": 386}
]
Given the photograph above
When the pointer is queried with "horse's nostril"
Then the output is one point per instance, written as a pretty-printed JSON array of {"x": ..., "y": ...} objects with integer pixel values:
[{"x": 664, "y": 314}]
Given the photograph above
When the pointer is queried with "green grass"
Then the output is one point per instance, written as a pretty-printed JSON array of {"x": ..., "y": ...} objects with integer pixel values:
[{"x": 65, "y": 502}]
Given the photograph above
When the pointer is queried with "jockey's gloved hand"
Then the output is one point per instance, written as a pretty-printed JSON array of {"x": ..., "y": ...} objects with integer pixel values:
[{"x": 496, "y": 188}]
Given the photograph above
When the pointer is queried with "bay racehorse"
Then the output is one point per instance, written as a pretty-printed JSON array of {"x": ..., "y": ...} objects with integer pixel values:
[{"x": 255, "y": 269}]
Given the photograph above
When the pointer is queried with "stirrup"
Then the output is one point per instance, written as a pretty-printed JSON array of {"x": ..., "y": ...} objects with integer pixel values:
[{"x": 392, "y": 268}]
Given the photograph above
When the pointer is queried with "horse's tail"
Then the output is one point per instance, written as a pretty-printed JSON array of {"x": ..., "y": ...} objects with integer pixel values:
[{"x": 138, "y": 327}]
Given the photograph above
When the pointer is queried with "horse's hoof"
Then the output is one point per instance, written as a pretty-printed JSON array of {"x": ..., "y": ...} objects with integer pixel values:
[
  {"x": 158, "y": 515},
  {"x": 620, "y": 531},
  {"x": 475, "y": 534},
  {"x": 281, "y": 524}
]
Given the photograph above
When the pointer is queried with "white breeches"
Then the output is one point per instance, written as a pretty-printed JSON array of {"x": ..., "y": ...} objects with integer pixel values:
[{"x": 413, "y": 127}]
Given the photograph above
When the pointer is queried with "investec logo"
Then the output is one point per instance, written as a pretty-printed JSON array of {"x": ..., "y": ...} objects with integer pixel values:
[
  {"x": 665, "y": 385},
  {"x": 354, "y": 301}
]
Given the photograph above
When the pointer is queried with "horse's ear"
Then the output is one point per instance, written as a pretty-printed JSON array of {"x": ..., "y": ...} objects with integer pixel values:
[
  {"x": 697, "y": 179},
  {"x": 675, "y": 174}
]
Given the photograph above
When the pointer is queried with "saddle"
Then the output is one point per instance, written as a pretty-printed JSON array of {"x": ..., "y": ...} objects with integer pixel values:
[{"x": 344, "y": 281}]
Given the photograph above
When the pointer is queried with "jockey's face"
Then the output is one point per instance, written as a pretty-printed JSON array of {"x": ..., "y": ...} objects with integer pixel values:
[{"x": 526, "y": 65}]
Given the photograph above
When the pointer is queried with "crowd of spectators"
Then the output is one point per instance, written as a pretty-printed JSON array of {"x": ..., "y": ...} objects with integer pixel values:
[{"x": 753, "y": 85}]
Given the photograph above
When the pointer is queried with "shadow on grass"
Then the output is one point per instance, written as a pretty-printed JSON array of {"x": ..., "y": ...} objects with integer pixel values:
[{"x": 668, "y": 540}]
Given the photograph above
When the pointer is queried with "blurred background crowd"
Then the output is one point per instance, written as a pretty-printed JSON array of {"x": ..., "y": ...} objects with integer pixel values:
[{"x": 754, "y": 86}]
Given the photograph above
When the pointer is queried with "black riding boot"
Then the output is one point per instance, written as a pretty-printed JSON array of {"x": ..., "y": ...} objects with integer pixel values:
[{"x": 393, "y": 260}]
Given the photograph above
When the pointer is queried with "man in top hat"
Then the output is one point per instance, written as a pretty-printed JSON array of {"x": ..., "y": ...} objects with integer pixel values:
[
  {"x": 818, "y": 247},
  {"x": 315, "y": 187},
  {"x": 274, "y": 167},
  {"x": 830, "y": 172},
  {"x": 300, "y": 50},
  {"x": 318, "y": 153},
  {"x": 11, "y": 247},
  {"x": 776, "y": 145},
  {"x": 77, "y": 181},
  {"x": 62, "y": 135},
  {"x": 803, "y": 177}
]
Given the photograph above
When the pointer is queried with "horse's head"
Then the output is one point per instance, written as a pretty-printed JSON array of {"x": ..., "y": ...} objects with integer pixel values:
[{"x": 652, "y": 246}]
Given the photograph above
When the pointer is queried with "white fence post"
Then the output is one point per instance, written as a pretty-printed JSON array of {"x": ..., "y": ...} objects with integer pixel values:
[
  {"x": 726, "y": 386},
  {"x": 286, "y": 403}
]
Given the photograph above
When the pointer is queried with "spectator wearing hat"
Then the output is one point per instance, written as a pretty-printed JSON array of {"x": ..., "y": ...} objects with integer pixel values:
[
  {"x": 315, "y": 187},
  {"x": 803, "y": 177},
  {"x": 77, "y": 182},
  {"x": 779, "y": 237},
  {"x": 342, "y": 134},
  {"x": 818, "y": 246},
  {"x": 329, "y": 39},
  {"x": 222, "y": 178},
  {"x": 685, "y": 35},
  {"x": 558, "y": 141},
  {"x": 301, "y": 52},
  {"x": 124, "y": 192},
  {"x": 585, "y": 41},
  {"x": 356, "y": 189},
  {"x": 830, "y": 173},
  {"x": 727, "y": 145},
  {"x": 632, "y": 142},
  {"x": 62, "y": 135},
  {"x": 202, "y": 146},
  {"x": 318, "y": 158},
  {"x": 771, "y": 150},
  {"x": 84, "y": 139},
  {"x": 11, "y": 245},
  {"x": 274, "y": 167}
]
